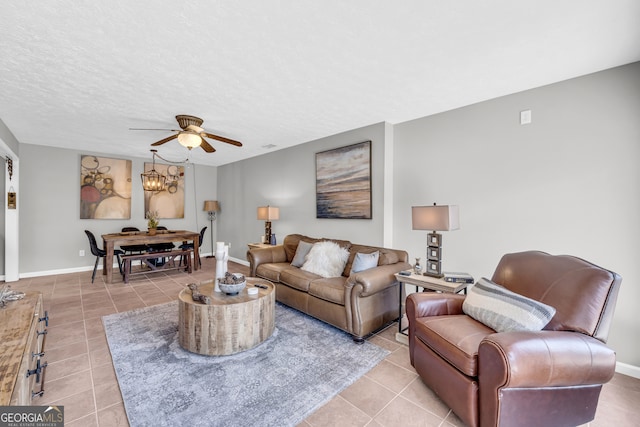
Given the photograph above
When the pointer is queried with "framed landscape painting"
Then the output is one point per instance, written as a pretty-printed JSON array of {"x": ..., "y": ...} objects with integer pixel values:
[
  {"x": 343, "y": 182},
  {"x": 105, "y": 188}
]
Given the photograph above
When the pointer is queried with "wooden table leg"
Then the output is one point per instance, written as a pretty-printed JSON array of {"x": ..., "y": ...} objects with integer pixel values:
[
  {"x": 196, "y": 254},
  {"x": 107, "y": 265}
]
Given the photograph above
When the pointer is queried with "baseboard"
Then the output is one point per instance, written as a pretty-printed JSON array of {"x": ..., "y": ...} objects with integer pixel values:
[
  {"x": 239, "y": 261},
  {"x": 90, "y": 268},
  {"x": 61, "y": 271},
  {"x": 629, "y": 370}
]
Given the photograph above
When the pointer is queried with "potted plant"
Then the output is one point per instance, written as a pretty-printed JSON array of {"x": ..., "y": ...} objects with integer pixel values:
[{"x": 152, "y": 222}]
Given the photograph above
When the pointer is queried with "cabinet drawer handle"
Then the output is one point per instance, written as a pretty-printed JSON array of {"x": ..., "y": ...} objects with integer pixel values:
[
  {"x": 37, "y": 371},
  {"x": 42, "y": 332},
  {"x": 45, "y": 318},
  {"x": 38, "y": 394},
  {"x": 34, "y": 355}
]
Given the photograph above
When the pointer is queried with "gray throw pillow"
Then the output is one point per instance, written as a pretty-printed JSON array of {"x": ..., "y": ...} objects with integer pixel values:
[
  {"x": 363, "y": 262},
  {"x": 301, "y": 252},
  {"x": 503, "y": 310}
]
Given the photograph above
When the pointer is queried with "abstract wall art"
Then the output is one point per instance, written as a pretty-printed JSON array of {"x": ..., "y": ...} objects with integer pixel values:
[
  {"x": 169, "y": 203},
  {"x": 105, "y": 188}
]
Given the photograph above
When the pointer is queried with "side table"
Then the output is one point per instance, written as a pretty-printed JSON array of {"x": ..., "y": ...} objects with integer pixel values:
[{"x": 427, "y": 283}]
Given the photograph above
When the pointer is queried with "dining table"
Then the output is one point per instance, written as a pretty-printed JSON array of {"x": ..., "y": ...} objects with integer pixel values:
[{"x": 145, "y": 238}]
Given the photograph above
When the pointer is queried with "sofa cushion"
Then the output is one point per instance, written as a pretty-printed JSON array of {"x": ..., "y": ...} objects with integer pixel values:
[
  {"x": 301, "y": 253},
  {"x": 388, "y": 256},
  {"x": 297, "y": 278},
  {"x": 456, "y": 338},
  {"x": 271, "y": 271},
  {"x": 326, "y": 259},
  {"x": 503, "y": 310},
  {"x": 353, "y": 251},
  {"x": 363, "y": 262},
  {"x": 290, "y": 243},
  {"x": 329, "y": 289}
]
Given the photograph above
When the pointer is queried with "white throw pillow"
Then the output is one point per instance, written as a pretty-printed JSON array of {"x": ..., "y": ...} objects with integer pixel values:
[
  {"x": 363, "y": 262},
  {"x": 301, "y": 252},
  {"x": 326, "y": 259}
]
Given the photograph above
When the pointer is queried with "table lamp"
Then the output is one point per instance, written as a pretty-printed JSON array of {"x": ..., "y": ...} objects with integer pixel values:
[
  {"x": 435, "y": 218},
  {"x": 211, "y": 207},
  {"x": 268, "y": 214}
]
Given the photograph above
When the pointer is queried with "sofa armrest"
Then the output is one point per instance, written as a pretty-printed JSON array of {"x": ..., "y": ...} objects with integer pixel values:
[
  {"x": 374, "y": 280},
  {"x": 259, "y": 256},
  {"x": 543, "y": 359}
]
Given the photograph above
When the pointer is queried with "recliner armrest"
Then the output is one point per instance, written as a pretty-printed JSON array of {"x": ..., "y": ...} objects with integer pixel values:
[
  {"x": 259, "y": 256},
  {"x": 423, "y": 304},
  {"x": 543, "y": 359}
]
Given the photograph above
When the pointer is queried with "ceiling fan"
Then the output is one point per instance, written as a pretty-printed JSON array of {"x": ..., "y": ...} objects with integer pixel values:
[{"x": 192, "y": 135}]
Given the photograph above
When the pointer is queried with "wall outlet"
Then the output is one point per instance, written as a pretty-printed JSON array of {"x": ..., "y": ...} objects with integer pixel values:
[
  {"x": 525, "y": 117},
  {"x": 81, "y": 253}
]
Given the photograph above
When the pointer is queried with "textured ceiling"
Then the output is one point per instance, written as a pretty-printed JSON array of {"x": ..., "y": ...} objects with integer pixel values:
[{"x": 80, "y": 74}]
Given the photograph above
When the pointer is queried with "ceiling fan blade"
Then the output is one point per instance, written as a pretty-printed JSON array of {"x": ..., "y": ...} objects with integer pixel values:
[
  {"x": 166, "y": 130},
  {"x": 167, "y": 139},
  {"x": 222, "y": 138},
  {"x": 206, "y": 146}
]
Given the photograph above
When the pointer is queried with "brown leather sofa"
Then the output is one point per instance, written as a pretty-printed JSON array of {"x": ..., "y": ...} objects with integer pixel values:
[
  {"x": 359, "y": 303},
  {"x": 551, "y": 377}
]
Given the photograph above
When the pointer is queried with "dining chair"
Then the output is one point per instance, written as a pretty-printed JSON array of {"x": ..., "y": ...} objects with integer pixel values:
[
  {"x": 101, "y": 253},
  {"x": 132, "y": 248},
  {"x": 186, "y": 246},
  {"x": 160, "y": 247}
]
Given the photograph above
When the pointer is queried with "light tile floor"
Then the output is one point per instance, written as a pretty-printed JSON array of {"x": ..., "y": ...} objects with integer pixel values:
[{"x": 81, "y": 377}]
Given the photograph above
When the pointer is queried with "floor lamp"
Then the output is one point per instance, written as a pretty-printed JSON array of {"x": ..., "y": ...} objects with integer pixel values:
[{"x": 211, "y": 207}]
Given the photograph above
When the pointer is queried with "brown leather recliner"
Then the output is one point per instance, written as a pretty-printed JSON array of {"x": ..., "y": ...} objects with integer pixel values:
[{"x": 551, "y": 377}]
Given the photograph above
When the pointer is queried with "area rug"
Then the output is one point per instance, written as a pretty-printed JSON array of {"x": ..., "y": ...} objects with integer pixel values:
[{"x": 280, "y": 382}]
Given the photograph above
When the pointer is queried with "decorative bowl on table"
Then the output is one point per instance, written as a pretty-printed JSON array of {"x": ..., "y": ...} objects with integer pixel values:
[{"x": 232, "y": 283}]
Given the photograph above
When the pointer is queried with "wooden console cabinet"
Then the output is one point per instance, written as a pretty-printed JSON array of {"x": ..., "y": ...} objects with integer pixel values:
[{"x": 22, "y": 331}]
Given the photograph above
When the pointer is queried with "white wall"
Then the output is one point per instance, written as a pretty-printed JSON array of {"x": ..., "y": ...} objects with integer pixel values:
[{"x": 568, "y": 183}]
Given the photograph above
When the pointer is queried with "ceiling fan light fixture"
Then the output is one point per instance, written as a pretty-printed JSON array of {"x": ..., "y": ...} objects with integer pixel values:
[{"x": 189, "y": 139}]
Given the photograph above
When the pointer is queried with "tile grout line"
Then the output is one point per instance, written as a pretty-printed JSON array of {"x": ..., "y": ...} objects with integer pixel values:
[{"x": 86, "y": 336}]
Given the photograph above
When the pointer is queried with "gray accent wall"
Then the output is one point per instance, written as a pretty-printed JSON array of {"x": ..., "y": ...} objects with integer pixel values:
[
  {"x": 286, "y": 179},
  {"x": 51, "y": 231},
  {"x": 568, "y": 183}
]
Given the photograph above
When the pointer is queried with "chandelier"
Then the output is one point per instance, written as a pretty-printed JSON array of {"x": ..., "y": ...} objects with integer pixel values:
[{"x": 152, "y": 180}]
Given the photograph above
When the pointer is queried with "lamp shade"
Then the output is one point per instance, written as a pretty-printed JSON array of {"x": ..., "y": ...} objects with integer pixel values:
[
  {"x": 268, "y": 213},
  {"x": 436, "y": 218},
  {"x": 211, "y": 206}
]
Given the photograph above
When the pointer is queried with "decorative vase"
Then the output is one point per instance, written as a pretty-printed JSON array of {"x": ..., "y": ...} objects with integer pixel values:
[
  {"x": 225, "y": 260},
  {"x": 152, "y": 231},
  {"x": 417, "y": 268},
  {"x": 219, "y": 264},
  {"x": 273, "y": 239}
]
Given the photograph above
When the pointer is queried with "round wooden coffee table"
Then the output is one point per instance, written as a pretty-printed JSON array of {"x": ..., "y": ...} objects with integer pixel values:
[{"x": 231, "y": 323}]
